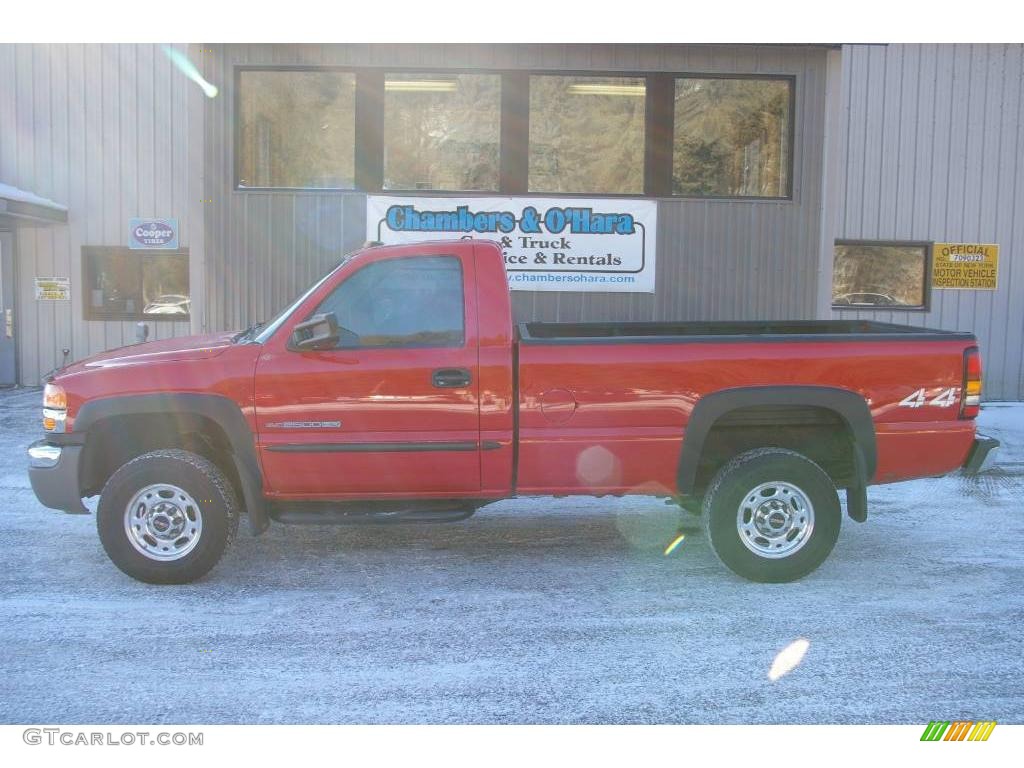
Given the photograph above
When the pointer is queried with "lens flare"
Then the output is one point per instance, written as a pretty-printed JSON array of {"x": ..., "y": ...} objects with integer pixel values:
[
  {"x": 647, "y": 528},
  {"x": 675, "y": 544},
  {"x": 597, "y": 467},
  {"x": 188, "y": 69},
  {"x": 788, "y": 658}
]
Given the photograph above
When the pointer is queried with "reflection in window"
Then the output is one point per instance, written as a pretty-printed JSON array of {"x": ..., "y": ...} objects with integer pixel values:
[
  {"x": 297, "y": 129},
  {"x": 587, "y": 134},
  {"x": 441, "y": 131},
  {"x": 131, "y": 284},
  {"x": 879, "y": 275},
  {"x": 165, "y": 286},
  {"x": 731, "y": 137},
  {"x": 408, "y": 302}
]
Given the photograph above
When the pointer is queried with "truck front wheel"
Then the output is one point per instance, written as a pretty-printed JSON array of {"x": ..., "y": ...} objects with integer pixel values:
[
  {"x": 772, "y": 515},
  {"x": 167, "y": 517}
]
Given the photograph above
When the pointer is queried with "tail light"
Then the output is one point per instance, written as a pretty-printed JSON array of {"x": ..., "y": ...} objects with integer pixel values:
[{"x": 971, "y": 402}]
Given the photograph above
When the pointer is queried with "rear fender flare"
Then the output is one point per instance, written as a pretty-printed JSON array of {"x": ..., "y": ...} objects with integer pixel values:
[{"x": 850, "y": 406}]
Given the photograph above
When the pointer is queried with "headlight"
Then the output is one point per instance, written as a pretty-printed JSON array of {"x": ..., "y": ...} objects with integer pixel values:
[
  {"x": 54, "y": 396},
  {"x": 55, "y": 406}
]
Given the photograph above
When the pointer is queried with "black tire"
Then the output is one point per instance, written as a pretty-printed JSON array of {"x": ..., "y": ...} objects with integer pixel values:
[
  {"x": 195, "y": 476},
  {"x": 723, "y": 514}
]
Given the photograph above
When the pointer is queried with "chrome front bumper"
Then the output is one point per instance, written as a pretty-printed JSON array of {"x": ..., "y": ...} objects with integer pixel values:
[
  {"x": 42, "y": 455},
  {"x": 53, "y": 472}
]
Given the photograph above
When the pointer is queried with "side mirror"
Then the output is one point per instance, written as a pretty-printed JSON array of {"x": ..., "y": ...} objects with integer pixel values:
[{"x": 319, "y": 332}]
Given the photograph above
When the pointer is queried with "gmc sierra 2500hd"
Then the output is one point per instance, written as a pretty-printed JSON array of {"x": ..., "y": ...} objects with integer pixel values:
[{"x": 398, "y": 388}]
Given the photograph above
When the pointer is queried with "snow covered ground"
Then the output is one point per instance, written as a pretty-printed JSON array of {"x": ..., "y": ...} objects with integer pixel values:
[{"x": 533, "y": 611}]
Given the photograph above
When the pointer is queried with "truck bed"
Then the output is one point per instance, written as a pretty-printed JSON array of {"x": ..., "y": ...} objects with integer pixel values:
[
  {"x": 606, "y": 406},
  {"x": 782, "y": 330}
]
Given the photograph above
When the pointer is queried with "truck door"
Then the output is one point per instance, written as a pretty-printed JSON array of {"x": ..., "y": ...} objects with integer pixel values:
[
  {"x": 393, "y": 409},
  {"x": 8, "y": 369}
]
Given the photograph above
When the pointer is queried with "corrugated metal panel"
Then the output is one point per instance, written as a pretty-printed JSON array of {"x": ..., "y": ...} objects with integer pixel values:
[
  {"x": 103, "y": 130},
  {"x": 717, "y": 259},
  {"x": 933, "y": 151},
  {"x": 106, "y": 130}
]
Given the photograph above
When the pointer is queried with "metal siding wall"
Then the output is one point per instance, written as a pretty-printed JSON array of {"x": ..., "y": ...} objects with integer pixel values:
[
  {"x": 103, "y": 130},
  {"x": 264, "y": 247},
  {"x": 716, "y": 259},
  {"x": 933, "y": 151}
]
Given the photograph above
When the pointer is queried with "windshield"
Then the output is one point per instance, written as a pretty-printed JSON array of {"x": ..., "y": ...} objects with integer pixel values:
[{"x": 270, "y": 328}]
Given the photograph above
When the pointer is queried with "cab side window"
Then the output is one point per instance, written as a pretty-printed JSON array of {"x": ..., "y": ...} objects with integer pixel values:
[{"x": 404, "y": 302}]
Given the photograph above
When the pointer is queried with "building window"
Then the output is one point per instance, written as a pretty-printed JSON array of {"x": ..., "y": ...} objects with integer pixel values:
[
  {"x": 125, "y": 284},
  {"x": 697, "y": 136},
  {"x": 732, "y": 137},
  {"x": 873, "y": 275},
  {"x": 587, "y": 134},
  {"x": 410, "y": 302},
  {"x": 296, "y": 129},
  {"x": 441, "y": 132}
]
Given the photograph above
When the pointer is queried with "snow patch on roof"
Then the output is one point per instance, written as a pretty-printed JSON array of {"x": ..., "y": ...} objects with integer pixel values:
[{"x": 7, "y": 192}]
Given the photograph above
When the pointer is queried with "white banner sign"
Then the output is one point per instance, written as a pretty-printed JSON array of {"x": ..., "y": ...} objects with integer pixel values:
[{"x": 550, "y": 244}]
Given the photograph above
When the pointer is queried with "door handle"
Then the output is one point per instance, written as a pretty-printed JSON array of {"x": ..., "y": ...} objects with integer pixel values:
[{"x": 449, "y": 378}]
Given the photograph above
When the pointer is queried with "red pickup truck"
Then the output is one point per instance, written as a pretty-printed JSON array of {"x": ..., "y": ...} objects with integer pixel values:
[{"x": 398, "y": 388}]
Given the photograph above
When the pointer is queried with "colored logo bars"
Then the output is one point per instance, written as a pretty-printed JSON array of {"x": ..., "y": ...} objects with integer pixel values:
[{"x": 959, "y": 730}]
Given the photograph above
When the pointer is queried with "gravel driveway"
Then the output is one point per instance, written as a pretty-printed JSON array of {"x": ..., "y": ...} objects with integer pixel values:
[{"x": 538, "y": 610}]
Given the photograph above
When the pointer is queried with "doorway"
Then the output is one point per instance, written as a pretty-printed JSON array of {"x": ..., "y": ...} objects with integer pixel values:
[{"x": 8, "y": 357}]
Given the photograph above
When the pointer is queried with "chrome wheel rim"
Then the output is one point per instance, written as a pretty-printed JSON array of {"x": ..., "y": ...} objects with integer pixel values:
[
  {"x": 163, "y": 522},
  {"x": 775, "y": 519}
]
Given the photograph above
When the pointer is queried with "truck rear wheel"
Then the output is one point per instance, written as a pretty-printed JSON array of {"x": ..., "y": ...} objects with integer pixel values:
[
  {"x": 772, "y": 515},
  {"x": 167, "y": 517}
]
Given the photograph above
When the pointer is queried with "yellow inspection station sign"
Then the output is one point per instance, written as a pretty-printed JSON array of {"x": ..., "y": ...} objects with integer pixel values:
[{"x": 971, "y": 266}]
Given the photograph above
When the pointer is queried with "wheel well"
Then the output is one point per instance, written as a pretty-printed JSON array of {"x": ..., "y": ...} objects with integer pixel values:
[
  {"x": 115, "y": 440},
  {"x": 821, "y": 434}
]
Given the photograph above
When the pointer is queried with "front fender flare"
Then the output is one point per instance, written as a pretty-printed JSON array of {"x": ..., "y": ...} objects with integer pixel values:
[{"x": 221, "y": 410}]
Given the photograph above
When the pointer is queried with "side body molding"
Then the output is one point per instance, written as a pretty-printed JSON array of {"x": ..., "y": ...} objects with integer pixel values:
[
  {"x": 850, "y": 406},
  {"x": 219, "y": 409}
]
